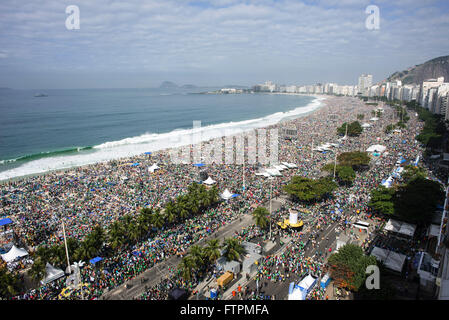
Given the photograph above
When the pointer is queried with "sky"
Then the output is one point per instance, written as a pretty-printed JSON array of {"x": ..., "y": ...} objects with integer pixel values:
[{"x": 139, "y": 44}]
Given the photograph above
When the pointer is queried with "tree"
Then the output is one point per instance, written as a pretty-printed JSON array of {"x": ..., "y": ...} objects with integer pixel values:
[
  {"x": 344, "y": 174},
  {"x": 157, "y": 219},
  {"x": 417, "y": 200},
  {"x": 197, "y": 254},
  {"x": 97, "y": 237},
  {"x": 37, "y": 270},
  {"x": 381, "y": 200},
  {"x": 389, "y": 128},
  {"x": 9, "y": 284},
  {"x": 116, "y": 235},
  {"x": 354, "y": 129},
  {"x": 357, "y": 159},
  {"x": 360, "y": 116},
  {"x": 85, "y": 251},
  {"x": 170, "y": 214},
  {"x": 309, "y": 190},
  {"x": 260, "y": 215},
  {"x": 233, "y": 250},
  {"x": 213, "y": 250},
  {"x": 348, "y": 266},
  {"x": 186, "y": 267},
  {"x": 411, "y": 172}
]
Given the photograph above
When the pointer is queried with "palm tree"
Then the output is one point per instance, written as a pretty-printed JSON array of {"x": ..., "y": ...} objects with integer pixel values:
[
  {"x": 213, "y": 251},
  {"x": 182, "y": 207},
  {"x": 213, "y": 195},
  {"x": 85, "y": 251},
  {"x": 169, "y": 212},
  {"x": 37, "y": 270},
  {"x": 233, "y": 249},
  {"x": 157, "y": 219},
  {"x": 197, "y": 253},
  {"x": 135, "y": 233},
  {"x": 116, "y": 235},
  {"x": 97, "y": 237},
  {"x": 186, "y": 266},
  {"x": 145, "y": 216},
  {"x": 43, "y": 253},
  {"x": 260, "y": 216}
]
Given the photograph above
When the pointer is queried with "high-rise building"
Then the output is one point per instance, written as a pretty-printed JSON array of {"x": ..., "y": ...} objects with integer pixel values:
[{"x": 365, "y": 82}]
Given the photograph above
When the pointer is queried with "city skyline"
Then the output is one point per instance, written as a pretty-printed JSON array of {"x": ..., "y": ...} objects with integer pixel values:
[{"x": 214, "y": 43}]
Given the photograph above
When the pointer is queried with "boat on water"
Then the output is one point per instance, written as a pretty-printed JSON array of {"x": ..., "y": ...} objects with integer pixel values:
[{"x": 37, "y": 95}]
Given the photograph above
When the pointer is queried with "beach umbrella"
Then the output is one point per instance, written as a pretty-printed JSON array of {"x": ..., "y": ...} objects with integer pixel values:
[{"x": 199, "y": 165}]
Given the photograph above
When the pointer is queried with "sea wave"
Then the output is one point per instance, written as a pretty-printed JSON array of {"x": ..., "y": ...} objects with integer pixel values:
[{"x": 128, "y": 147}]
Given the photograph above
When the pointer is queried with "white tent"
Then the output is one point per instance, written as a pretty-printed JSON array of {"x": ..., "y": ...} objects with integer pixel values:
[
  {"x": 376, "y": 147},
  {"x": 433, "y": 231},
  {"x": 226, "y": 194},
  {"x": 209, "y": 181},
  {"x": 51, "y": 273},
  {"x": 374, "y": 119},
  {"x": 273, "y": 172},
  {"x": 280, "y": 167},
  {"x": 400, "y": 227},
  {"x": 366, "y": 125},
  {"x": 14, "y": 253},
  {"x": 153, "y": 168},
  {"x": 392, "y": 260},
  {"x": 289, "y": 165}
]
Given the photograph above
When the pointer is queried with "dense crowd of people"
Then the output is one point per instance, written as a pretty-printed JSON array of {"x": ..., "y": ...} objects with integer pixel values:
[{"x": 101, "y": 193}]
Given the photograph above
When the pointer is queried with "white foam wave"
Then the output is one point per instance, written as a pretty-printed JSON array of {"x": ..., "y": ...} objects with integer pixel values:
[{"x": 151, "y": 142}]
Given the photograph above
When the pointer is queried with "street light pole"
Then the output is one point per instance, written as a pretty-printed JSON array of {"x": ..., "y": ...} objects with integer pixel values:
[
  {"x": 335, "y": 163},
  {"x": 271, "y": 193},
  {"x": 66, "y": 250}
]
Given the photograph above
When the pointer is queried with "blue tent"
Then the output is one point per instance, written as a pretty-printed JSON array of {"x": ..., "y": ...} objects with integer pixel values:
[
  {"x": 147, "y": 152},
  {"x": 403, "y": 160},
  {"x": 198, "y": 164},
  {"x": 235, "y": 195},
  {"x": 5, "y": 221},
  {"x": 137, "y": 253},
  {"x": 135, "y": 164},
  {"x": 95, "y": 260}
]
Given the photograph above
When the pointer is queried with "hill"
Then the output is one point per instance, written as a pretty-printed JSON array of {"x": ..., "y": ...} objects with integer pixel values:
[
  {"x": 168, "y": 85},
  {"x": 432, "y": 69}
]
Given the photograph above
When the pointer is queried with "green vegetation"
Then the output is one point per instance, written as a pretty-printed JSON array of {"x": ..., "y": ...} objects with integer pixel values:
[
  {"x": 126, "y": 231},
  {"x": 389, "y": 128},
  {"x": 200, "y": 259},
  {"x": 348, "y": 267},
  {"x": 354, "y": 129},
  {"x": 360, "y": 116},
  {"x": 358, "y": 160},
  {"x": 414, "y": 201},
  {"x": 10, "y": 284},
  {"x": 309, "y": 190},
  {"x": 381, "y": 200},
  {"x": 417, "y": 200},
  {"x": 261, "y": 217},
  {"x": 345, "y": 175}
]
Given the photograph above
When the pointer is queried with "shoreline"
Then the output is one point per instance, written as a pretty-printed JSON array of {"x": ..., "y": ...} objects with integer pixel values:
[{"x": 320, "y": 99}]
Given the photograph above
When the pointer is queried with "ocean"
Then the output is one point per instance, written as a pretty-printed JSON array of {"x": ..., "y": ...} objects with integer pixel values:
[{"x": 76, "y": 127}]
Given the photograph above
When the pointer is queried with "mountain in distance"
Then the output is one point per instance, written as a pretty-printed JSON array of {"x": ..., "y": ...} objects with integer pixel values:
[
  {"x": 168, "y": 85},
  {"x": 432, "y": 69},
  {"x": 189, "y": 86}
]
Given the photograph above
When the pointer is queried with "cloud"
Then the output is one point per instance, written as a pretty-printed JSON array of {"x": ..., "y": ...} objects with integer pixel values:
[{"x": 228, "y": 37}]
